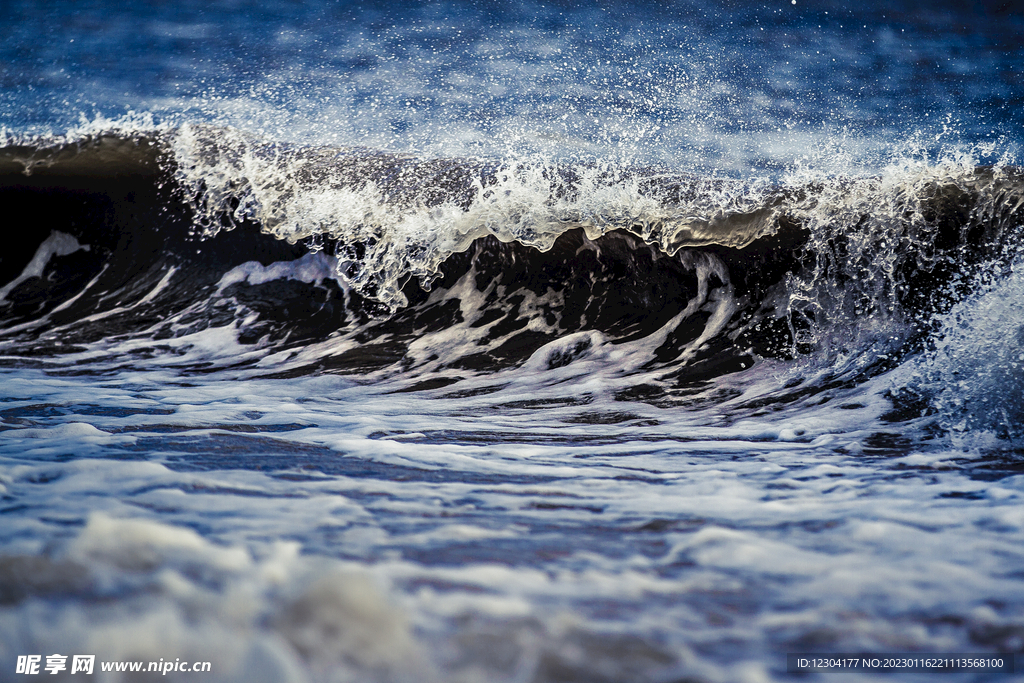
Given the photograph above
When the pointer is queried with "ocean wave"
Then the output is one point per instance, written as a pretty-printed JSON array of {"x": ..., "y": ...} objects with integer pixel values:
[{"x": 476, "y": 264}]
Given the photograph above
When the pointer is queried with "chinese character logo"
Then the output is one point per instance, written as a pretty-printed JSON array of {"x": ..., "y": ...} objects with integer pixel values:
[
  {"x": 55, "y": 663},
  {"x": 28, "y": 664},
  {"x": 82, "y": 664}
]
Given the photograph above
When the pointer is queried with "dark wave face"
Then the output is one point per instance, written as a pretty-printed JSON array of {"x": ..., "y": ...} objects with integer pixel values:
[
  {"x": 152, "y": 238},
  {"x": 482, "y": 343}
]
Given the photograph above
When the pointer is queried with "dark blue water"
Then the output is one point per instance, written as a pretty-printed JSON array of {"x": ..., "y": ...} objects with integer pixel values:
[{"x": 748, "y": 87}]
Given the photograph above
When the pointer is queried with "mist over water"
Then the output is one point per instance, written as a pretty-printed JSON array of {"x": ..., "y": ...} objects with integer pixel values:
[{"x": 480, "y": 342}]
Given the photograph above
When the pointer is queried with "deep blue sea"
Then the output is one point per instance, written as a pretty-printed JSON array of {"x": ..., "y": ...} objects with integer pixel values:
[{"x": 482, "y": 342}]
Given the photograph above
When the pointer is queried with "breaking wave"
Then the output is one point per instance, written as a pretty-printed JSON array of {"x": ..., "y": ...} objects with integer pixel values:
[{"x": 355, "y": 261}]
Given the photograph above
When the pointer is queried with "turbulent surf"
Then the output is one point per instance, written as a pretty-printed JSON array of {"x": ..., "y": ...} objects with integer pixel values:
[{"x": 488, "y": 345}]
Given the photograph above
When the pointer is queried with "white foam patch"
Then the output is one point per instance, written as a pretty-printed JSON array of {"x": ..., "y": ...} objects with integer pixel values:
[
  {"x": 57, "y": 244},
  {"x": 159, "y": 287},
  {"x": 311, "y": 268},
  {"x": 137, "y": 544},
  {"x": 55, "y": 440},
  {"x": 974, "y": 374},
  {"x": 180, "y": 597}
]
